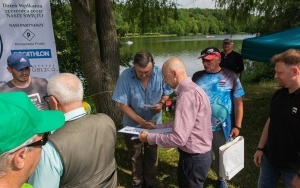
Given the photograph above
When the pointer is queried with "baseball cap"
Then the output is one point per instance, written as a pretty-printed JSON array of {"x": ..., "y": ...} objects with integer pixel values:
[
  {"x": 20, "y": 120},
  {"x": 209, "y": 53},
  {"x": 228, "y": 40},
  {"x": 18, "y": 61}
]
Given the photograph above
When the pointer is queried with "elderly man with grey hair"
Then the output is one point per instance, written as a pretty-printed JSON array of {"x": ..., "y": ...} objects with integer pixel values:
[
  {"x": 81, "y": 153},
  {"x": 23, "y": 131}
]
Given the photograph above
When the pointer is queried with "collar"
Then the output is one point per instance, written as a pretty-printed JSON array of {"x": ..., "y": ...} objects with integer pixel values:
[
  {"x": 297, "y": 92},
  {"x": 182, "y": 84},
  {"x": 75, "y": 114}
]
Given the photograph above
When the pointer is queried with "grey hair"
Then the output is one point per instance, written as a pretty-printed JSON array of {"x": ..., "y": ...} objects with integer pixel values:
[
  {"x": 6, "y": 158},
  {"x": 143, "y": 58},
  {"x": 66, "y": 88}
]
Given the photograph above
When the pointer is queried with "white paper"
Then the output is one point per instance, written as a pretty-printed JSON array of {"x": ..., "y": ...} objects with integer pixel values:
[{"x": 137, "y": 131}]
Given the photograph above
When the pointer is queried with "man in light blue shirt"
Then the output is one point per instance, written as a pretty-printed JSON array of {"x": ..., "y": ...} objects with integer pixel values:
[
  {"x": 51, "y": 160},
  {"x": 141, "y": 93},
  {"x": 62, "y": 161}
]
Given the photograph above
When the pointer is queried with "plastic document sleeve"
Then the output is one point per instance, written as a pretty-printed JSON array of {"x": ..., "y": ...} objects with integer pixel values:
[
  {"x": 137, "y": 131},
  {"x": 231, "y": 157}
]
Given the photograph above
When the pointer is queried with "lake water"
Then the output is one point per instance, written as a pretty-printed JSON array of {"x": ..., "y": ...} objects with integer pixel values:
[{"x": 187, "y": 48}]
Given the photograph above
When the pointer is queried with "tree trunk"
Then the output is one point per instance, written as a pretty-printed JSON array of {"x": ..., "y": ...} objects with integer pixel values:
[{"x": 99, "y": 53}]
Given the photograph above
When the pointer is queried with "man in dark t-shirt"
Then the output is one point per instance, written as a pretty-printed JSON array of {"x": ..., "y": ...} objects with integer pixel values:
[
  {"x": 278, "y": 151},
  {"x": 231, "y": 59}
]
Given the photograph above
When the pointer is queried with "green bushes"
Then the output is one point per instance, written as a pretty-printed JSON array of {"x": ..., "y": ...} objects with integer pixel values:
[{"x": 256, "y": 72}]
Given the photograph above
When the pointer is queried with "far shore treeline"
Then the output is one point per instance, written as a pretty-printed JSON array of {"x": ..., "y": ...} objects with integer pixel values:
[{"x": 180, "y": 22}]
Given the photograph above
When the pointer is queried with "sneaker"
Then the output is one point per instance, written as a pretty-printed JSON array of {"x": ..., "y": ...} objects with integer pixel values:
[{"x": 223, "y": 184}]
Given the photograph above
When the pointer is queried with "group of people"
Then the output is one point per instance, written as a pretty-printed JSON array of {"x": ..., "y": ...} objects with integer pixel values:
[
  {"x": 78, "y": 148},
  {"x": 209, "y": 110}
]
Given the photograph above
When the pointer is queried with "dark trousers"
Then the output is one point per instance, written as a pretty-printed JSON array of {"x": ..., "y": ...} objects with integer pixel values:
[
  {"x": 193, "y": 169},
  {"x": 144, "y": 161}
]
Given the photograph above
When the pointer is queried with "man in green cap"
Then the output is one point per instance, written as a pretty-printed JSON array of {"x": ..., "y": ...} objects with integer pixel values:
[{"x": 23, "y": 130}]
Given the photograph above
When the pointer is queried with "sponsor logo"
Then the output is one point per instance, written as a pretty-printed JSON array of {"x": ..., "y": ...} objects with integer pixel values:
[
  {"x": 35, "y": 53},
  {"x": 294, "y": 110},
  {"x": 222, "y": 83},
  {"x": 29, "y": 35}
]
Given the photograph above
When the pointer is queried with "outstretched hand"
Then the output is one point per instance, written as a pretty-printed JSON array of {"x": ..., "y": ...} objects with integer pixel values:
[
  {"x": 143, "y": 136},
  {"x": 149, "y": 125},
  {"x": 158, "y": 107}
]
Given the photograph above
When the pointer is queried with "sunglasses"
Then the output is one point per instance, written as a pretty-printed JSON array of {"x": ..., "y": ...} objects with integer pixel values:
[
  {"x": 41, "y": 142},
  {"x": 208, "y": 51}
]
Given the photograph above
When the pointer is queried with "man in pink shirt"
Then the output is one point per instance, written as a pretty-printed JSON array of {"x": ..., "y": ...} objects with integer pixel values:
[{"x": 191, "y": 129}]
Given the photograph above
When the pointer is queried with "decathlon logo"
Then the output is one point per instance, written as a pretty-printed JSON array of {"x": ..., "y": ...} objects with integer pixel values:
[{"x": 35, "y": 53}]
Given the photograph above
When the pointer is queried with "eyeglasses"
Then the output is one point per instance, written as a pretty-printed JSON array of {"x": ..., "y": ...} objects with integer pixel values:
[
  {"x": 41, "y": 142},
  {"x": 47, "y": 98}
]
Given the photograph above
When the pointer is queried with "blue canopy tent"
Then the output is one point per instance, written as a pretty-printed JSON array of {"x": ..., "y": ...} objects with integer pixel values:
[{"x": 264, "y": 47}]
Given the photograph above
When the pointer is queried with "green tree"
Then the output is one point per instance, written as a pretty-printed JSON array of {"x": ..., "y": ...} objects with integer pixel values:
[
  {"x": 149, "y": 14},
  {"x": 270, "y": 15},
  {"x": 99, "y": 51}
]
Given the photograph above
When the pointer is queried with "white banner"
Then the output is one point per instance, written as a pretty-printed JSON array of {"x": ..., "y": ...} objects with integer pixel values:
[{"x": 26, "y": 26}]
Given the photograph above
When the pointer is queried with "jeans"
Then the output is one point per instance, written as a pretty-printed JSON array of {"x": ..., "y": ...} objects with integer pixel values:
[
  {"x": 270, "y": 175},
  {"x": 193, "y": 169},
  {"x": 144, "y": 161},
  {"x": 218, "y": 140}
]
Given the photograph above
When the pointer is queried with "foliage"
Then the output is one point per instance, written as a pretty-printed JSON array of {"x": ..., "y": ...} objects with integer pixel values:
[
  {"x": 269, "y": 16},
  {"x": 147, "y": 15},
  {"x": 66, "y": 40},
  {"x": 256, "y": 72},
  {"x": 130, "y": 19}
]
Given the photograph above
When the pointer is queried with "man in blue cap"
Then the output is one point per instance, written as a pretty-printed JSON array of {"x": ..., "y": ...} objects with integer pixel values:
[
  {"x": 19, "y": 65},
  {"x": 23, "y": 130}
]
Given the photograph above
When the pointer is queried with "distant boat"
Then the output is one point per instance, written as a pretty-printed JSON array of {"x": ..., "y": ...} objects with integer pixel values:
[
  {"x": 210, "y": 36},
  {"x": 129, "y": 42}
]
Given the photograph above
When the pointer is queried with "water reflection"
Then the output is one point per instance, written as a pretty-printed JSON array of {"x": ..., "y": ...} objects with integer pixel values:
[{"x": 187, "y": 48}]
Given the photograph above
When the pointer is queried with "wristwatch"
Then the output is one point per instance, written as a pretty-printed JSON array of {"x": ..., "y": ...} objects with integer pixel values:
[
  {"x": 163, "y": 103},
  {"x": 238, "y": 127}
]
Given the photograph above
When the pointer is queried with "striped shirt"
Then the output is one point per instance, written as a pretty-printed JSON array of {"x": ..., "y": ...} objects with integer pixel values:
[{"x": 192, "y": 130}]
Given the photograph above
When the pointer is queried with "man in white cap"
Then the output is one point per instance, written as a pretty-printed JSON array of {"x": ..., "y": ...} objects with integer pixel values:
[
  {"x": 19, "y": 65},
  {"x": 23, "y": 132}
]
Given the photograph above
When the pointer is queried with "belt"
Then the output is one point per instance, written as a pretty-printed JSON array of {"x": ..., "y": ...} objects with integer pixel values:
[{"x": 187, "y": 154}]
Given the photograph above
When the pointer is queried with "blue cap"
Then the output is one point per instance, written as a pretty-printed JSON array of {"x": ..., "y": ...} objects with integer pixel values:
[{"x": 18, "y": 61}]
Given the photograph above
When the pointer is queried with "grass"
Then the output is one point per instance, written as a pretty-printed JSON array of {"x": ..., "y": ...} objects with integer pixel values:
[{"x": 256, "y": 110}]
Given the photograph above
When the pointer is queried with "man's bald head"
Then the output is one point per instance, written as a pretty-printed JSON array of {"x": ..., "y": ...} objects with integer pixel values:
[{"x": 174, "y": 72}]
